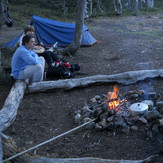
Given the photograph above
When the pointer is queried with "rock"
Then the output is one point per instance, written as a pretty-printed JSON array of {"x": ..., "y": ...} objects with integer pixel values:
[
  {"x": 97, "y": 126},
  {"x": 149, "y": 134},
  {"x": 77, "y": 111},
  {"x": 97, "y": 97},
  {"x": 77, "y": 118},
  {"x": 153, "y": 95},
  {"x": 160, "y": 122},
  {"x": 126, "y": 129},
  {"x": 142, "y": 120},
  {"x": 153, "y": 115},
  {"x": 119, "y": 122},
  {"x": 103, "y": 115},
  {"x": 111, "y": 112},
  {"x": 134, "y": 128},
  {"x": 159, "y": 104},
  {"x": 86, "y": 120},
  {"x": 90, "y": 126},
  {"x": 110, "y": 119},
  {"x": 161, "y": 111},
  {"x": 87, "y": 114},
  {"x": 103, "y": 123},
  {"x": 150, "y": 104},
  {"x": 97, "y": 112},
  {"x": 110, "y": 126},
  {"x": 93, "y": 100},
  {"x": 155, "y": 129}
]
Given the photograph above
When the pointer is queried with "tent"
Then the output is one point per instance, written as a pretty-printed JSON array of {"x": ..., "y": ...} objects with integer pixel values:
[{"x": 49, "y": 32}]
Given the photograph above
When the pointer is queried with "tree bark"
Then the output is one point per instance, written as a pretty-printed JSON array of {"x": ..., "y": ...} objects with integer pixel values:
[
  {"x": 72, "y": 48},
  {"x": 125, "y": 78},
  {"x": 9, "y": 111},
  {"x": 118, "y": 7},
  {"x": 1, "y": 152},
  {"x": 150, "y": 4}
]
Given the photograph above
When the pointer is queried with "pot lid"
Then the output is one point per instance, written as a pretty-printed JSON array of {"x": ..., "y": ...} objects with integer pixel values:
[{"x": 139, "y": 107}]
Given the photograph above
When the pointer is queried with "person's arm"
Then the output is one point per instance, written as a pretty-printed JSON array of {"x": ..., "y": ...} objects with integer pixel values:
[{"x": 29, "y": 57}]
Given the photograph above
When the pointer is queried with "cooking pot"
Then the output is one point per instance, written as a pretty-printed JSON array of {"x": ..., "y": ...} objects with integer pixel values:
[{"x": 137, "y": 109}]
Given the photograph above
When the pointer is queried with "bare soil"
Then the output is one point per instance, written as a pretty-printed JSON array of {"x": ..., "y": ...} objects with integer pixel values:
[{"x": 124, "y": 44}]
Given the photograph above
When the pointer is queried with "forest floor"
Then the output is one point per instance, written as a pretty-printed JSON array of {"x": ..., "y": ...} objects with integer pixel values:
[{"x": 124, "y": 44}]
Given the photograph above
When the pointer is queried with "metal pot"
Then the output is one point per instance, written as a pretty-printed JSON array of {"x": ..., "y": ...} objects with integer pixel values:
[{"x": 137, "y": 109}]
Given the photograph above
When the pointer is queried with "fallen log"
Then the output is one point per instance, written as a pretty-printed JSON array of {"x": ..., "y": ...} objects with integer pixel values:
[
  {"x": 125, "y": 78},
  {"x": 9, "y": 111}
]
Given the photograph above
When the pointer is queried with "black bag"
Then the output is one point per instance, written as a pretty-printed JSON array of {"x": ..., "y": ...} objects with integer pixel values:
[
  {"x": 59, "y": 72},
  {"x": 8, "y": 20}
]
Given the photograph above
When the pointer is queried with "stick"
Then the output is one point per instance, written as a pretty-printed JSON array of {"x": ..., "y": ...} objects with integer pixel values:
[{"x": 43, "y": 143}]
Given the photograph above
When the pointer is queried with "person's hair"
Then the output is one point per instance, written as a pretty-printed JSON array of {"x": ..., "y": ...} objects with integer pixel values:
[
  {"x": 29, "y": 28},
  {"x": 26, "y": 39}
]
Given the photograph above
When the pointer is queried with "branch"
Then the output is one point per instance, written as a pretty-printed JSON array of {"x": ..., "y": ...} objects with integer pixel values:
[{"x": 125, "y": 78}]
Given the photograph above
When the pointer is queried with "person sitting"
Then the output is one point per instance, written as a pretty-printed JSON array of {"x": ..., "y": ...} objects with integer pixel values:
[
  {"x": 49, "y": 56},
  {"x": 57, "y": 67},
  {"x": 25, "y": 63}
]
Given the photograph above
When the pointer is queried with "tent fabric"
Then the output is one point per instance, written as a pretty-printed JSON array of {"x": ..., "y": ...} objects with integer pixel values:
[{"x": 50, "y": 31}]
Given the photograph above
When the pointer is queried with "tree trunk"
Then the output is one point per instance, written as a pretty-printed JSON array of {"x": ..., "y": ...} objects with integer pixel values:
[
  {"x": 0, "y": 59},
  {"x": 1, "y": 152},
  {"x": 1, "y": 13},
  {"x": 99, "y": 6},
  {"x": 150, "y": 4},
  {"x": 72, "y": 48},
  {"x": 118, "y": 7}
]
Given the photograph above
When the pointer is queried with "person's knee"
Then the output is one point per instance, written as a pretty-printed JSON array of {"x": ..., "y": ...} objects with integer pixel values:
[{"x": 38, "y": 67}]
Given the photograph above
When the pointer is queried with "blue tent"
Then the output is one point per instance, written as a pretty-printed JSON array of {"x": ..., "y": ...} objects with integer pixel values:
[{"x": 49, "y": 32}]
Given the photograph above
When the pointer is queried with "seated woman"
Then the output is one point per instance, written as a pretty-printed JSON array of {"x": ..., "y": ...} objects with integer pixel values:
[
  {"x": 25, "y": 63},
  {"x": 57, "y": 67}
]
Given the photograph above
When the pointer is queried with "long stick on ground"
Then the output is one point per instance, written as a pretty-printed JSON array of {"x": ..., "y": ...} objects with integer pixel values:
[{"x": 54, "y": 138}]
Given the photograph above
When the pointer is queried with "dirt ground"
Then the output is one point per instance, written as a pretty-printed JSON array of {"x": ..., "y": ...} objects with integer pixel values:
[{"x": 124, "y": 44}]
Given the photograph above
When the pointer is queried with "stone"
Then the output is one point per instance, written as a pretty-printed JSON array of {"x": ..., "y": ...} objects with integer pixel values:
[
  {"x": 110, "y": 119},
  {"x": 77, "y": 111},
  {"x": 77, "y": 118},
  {"x": 161, "y": 111},
  {"x": 97, "y": 126},
  {"x": 126, "y": 129},
  {"x": 150, "y": 104},
  {"x": 90, "y": 126},
  {"x": 159, "y": 104},
  {"x": 153, "y": 115},
  {"x": 97, "y": 112},
  {"x": 93, "y": 100},
  {"x": 103, "y": 123},
  {"x": 142, "y": 120},
  {"x": 97, "y": 97},
  {"x": 160, "y": 122},
  {"x": 103, "y": 115},
  {"x": 155, "y": 129},
  {"x": 110, "y": 126},
  {"x": 85, "y": 120},
  {"x": 134, "y": 128},
  {"x": 119, "y": 122},
  {"x": 149, "y": 134}
]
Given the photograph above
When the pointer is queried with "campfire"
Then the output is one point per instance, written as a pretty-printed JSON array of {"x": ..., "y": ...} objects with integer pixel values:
[{"x": 134, "y": 110}]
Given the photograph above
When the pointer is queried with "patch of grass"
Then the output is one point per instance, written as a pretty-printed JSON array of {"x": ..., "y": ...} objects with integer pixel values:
[{"x": 117, "y": 29}]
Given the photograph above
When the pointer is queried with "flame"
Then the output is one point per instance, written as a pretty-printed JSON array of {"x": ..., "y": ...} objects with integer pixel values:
[{"x": 112, "y": 98}]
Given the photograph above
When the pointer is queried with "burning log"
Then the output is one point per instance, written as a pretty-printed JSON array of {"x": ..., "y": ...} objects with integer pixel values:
[{"x": 123, "y": 78}]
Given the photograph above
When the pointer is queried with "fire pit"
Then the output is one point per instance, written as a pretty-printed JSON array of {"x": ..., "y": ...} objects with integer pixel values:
[{"x": 132, "y": 111}]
